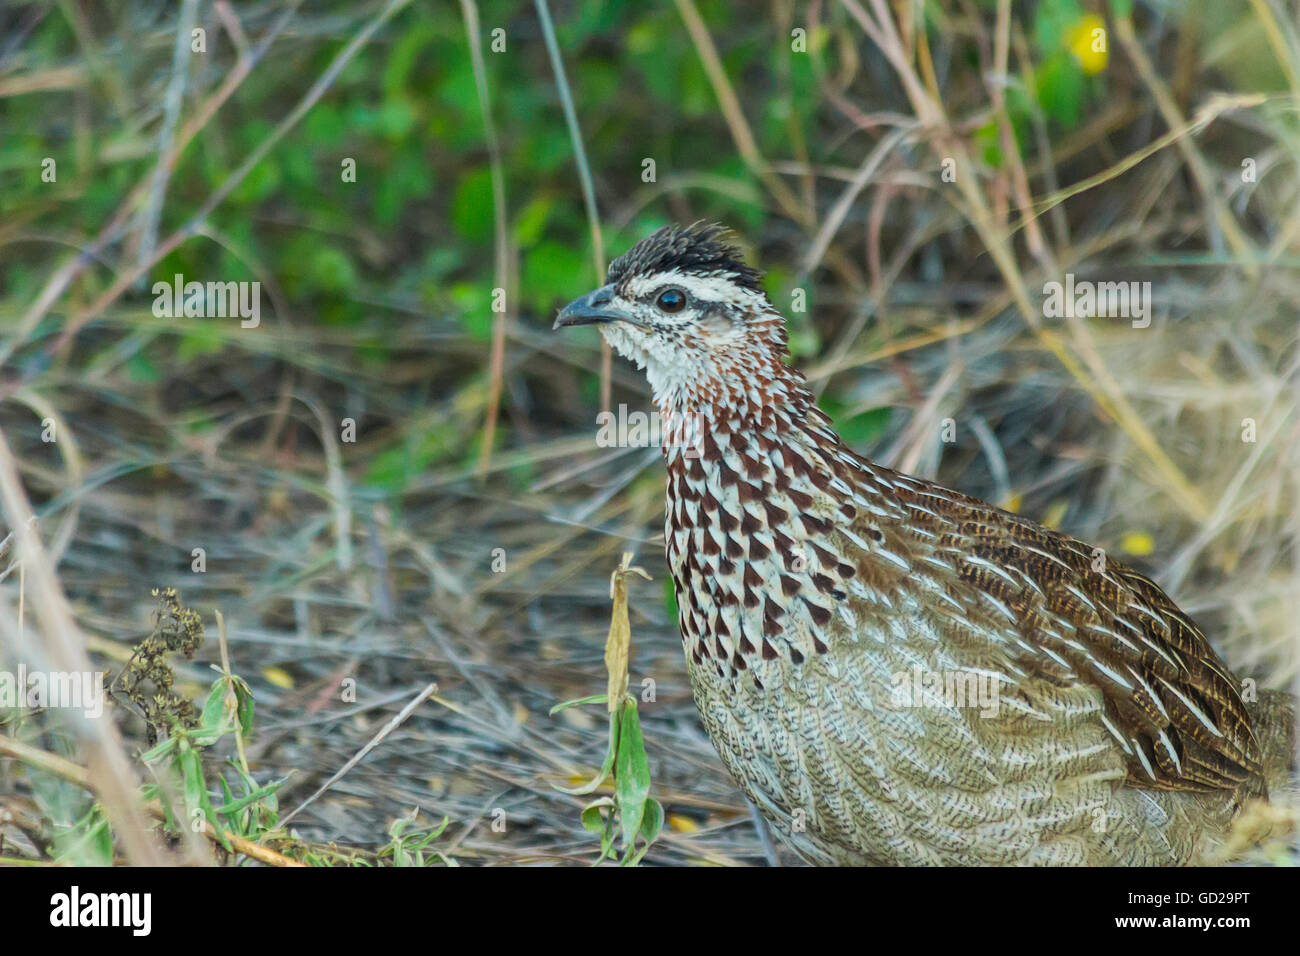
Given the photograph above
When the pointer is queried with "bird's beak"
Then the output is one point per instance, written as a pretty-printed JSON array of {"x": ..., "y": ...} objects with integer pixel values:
[{"x": 593, "y": 308}]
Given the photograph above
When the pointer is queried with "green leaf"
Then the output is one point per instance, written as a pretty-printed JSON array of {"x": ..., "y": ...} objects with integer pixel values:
[
  {"x": 394, "y": 467},
  {"x": 202, "y": 337},
  {"x": 550, "y": 270},
  {"x": 670, "y": 597},
  {"x": 1060, "y": 88},
  {"x": 262, "y": 181},
  {"x": 214, "y": 707},
  {"x": 325, "y": 126},
  {"x": 653, "y": 822},
  {"x": 471, "y": 206},
  {"x": 193, "y": 789},
  {"x": 988, "y": 140},
  {"x": 88, "y": 842},
  {"x": 579, "y": 702},
  {"x": 1052, "y": 20},
  {"x": 598, "y": 817},
  {"x": 233, "y": 805},
  {"x": 403, "y": 56},
  {"x": 396, "y": 119},
  {"x": 866, "y": 427},
  {"x": 140, "y": 369},
  {"x": 330, "y": 269},
  {"x": 632, "y": 779},
  {"x": 406, "y": 181},
  {"x": 158, "y": 752},
  {"x": 196, "y": 791},
  {"x": 651, "y": 825},
  {"x": 102, "y": 841},
  {"x": 532, "y": 220},
  {"x": 245, "y": 709}
]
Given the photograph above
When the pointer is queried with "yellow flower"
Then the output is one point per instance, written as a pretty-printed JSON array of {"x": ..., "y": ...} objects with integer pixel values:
[
  {"x": 1089, "y": 43},
  {"x": 1137, "y": 543},
  {"x": 278, "y": 676}
]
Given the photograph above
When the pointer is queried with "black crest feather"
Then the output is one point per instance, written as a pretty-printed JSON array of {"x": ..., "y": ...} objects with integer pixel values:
[{"x": 702, "y": 247}]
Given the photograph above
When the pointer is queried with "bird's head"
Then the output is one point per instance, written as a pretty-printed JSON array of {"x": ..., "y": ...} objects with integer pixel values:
[{"x": 684, "y": 306}]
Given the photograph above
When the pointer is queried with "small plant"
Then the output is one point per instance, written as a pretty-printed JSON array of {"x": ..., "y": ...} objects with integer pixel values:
[
  {"x": 181, "y": 733},
  {"x": 191, "y": 793},
  {"x": 630, "y": 810},
  {"x": 249, "y": 809},
  {"x": 409, "y": 845}
]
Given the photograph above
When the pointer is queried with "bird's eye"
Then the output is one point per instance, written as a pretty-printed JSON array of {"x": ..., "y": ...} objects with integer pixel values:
[{"x": 671, "y": 300}]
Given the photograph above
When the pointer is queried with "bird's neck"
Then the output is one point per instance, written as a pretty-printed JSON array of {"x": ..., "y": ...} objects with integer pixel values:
[
  {"x": 756, "y": 482},
  {"x": 763, "y": 396},
  {"x": 747, "y": 384}
]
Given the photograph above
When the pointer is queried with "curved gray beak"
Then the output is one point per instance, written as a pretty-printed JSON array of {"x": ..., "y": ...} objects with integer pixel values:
[{"x": 593, "y": 308}]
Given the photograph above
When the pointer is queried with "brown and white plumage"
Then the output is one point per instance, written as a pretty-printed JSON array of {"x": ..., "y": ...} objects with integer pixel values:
[{"x": 808, "y": 579}]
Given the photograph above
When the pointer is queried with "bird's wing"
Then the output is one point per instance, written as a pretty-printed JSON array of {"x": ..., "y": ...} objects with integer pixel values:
[{"x": 1172, "y": 704}]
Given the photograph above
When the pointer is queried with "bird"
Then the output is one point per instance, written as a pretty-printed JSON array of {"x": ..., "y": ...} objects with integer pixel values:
[{"x": 896, "y": 673}]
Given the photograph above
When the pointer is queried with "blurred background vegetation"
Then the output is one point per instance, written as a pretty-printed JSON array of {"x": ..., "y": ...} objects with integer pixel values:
[{"x": 1168, "y": 153}]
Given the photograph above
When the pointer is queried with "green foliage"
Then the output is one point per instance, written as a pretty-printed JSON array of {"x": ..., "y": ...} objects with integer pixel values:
[
  {"x": 416, "y": 228},
  {"x": 87, "y": 842},
  {"x": 410, "y": 843},
  {"x": 630, "y": 812},
  {"x": 1060, "y": 88},
  {"x": 860, "y": 429},
  {"x": 184, "y": 760},
  {"x": 1052, "y": 21},
  {"x": 669, "y": 597},
  {"x": 195, "y": 789},
  {"x": 630, "y": 809},
  {"x": 394, "y": 468}
]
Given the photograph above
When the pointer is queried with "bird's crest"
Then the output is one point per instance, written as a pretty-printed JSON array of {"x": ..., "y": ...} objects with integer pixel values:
[{"x": 702, "y": 247}]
